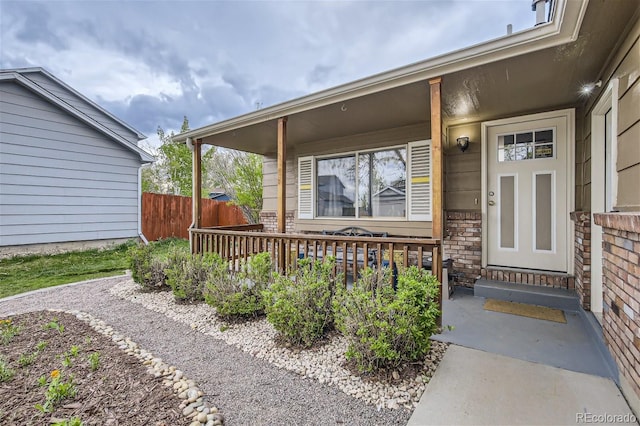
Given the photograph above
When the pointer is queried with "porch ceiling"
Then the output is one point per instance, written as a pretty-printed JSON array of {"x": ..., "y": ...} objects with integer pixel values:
[
  {"x": 400, "y": 106},
  {"x": 534, "y": 81},
  {"x": 542, "y": 80}
]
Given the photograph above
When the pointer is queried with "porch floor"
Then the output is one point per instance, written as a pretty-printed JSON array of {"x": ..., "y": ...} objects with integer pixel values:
[
  {"x": 505, "y": 369},
  {"x": 573, "y": 346}
]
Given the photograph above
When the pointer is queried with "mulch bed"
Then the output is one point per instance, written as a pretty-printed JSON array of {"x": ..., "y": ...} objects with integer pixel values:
[{"x": 118, "y": 392}]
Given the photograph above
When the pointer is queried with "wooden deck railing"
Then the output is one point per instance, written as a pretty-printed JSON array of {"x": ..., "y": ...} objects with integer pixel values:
[{"x": 236, "y": 243}]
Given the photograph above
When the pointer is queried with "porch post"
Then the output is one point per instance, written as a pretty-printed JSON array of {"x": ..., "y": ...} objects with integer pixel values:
[
  {"x": 282, "y": 188},
  {"x": 436, "y": 157},
  {"x": 282, "y": 174},
  {"x": 196, "y": 192},
  {"x": 436, "y": 182}
]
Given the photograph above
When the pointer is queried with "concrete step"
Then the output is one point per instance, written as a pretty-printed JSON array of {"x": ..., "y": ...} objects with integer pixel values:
[{"x": 550, "y": 297}]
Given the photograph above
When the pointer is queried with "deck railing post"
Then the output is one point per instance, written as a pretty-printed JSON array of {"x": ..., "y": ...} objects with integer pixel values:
[{"x": 436, "y": 269}]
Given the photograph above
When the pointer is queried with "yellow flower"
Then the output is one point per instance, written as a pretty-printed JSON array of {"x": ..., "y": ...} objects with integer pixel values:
[{"x": 55, "y": 374}]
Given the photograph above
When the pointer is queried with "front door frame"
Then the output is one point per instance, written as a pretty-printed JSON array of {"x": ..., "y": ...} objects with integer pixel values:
[
  {"x": 569, "y": 114},
  {"x": 608, "y": 100}
]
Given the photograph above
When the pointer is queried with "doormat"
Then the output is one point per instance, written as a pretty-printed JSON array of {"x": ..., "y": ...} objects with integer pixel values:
[{"x": 524, "y": 310}]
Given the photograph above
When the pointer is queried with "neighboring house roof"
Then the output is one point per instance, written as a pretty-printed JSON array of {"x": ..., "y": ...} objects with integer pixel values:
[
  {"x": 389, "y": 191},
  {"x": 219, "y": 196},
  {"x": 471, "y": 74},
  {"x": 108, "y": 125}
]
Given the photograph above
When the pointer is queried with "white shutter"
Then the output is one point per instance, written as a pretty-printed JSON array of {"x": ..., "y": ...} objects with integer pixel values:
[
  {"x": 419, "y": 180},
  {"x": 305, "y": 187}
]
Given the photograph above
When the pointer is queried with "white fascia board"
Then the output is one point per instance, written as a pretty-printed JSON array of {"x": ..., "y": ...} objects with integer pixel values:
[
  {"x": 50, "y": 76},
  {"x": 145, "y": 157},
  {"x": 564, "y": 28}
]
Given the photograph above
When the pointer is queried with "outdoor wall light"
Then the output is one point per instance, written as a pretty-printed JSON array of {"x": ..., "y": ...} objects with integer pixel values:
[
  {"x": 588, "y": 88},
  {"x": 463, "y": 143}
]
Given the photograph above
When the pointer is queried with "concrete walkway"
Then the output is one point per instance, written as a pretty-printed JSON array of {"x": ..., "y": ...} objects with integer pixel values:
[
  {"x": 472, "y": 387},
  {"x": 511, "y": 370}
]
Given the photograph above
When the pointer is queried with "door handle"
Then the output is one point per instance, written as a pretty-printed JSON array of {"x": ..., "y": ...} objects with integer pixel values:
[{"x": 492, "y": 203}]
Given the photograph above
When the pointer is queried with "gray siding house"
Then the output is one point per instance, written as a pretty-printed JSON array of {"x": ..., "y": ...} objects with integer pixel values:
[{"x": 69, "y": 170}]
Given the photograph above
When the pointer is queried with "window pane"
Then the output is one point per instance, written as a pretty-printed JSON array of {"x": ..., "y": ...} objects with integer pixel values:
[
  {"x": 336, "y": 187},
  {"x": 544, "y": 136},
  {"x": 388, "y": 182},
  {"x": 365, "y": 167}
]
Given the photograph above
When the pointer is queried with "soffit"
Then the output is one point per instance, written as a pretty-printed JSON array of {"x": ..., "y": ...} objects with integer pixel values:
[
  {"x": 396, "y": 107},
  {"x": 550, "y": 78}
]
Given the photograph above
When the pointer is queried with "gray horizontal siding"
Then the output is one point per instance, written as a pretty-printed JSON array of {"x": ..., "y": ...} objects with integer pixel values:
[
  {"x": 77, "y": 218},
  {"x": 50, "y": 182},
  {"x": 31, "y": 210},
  {"x": 81, "y": 105},
  {"x": 64, "y": 237},
  {"x": 56, "y": 191},
  {"x": 61, "y": 180}
]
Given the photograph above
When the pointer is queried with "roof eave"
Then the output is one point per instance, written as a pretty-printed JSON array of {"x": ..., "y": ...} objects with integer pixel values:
[{"x": 563, "y": 29}]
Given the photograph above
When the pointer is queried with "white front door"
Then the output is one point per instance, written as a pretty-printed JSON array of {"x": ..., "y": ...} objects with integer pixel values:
[{"x": 526, "y": 192}]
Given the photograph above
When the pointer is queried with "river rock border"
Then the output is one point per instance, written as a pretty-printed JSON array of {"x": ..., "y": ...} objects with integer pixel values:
[
  {"x": 193, "y": 405},
  {"x": 324, "y": 364}
]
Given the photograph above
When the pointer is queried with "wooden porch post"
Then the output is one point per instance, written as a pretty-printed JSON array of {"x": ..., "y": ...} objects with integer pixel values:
[
  {"x": 436, "y": 181},
  {"x": 282, "y": 175},
  {"x": 282, "y": 187},
  {"x": 196, "y": 193},
  {"x": 436, "y": 157}
]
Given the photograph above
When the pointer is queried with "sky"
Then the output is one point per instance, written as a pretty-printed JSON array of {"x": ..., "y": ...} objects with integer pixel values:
[{"x": 151, "y": 63}]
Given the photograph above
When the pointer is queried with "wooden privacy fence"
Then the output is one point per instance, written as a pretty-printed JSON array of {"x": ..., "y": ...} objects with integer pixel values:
[{"x": 166, "y": 216}]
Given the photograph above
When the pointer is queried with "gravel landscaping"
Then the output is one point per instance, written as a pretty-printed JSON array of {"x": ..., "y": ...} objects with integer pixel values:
[{"x": 262, "y": 383}]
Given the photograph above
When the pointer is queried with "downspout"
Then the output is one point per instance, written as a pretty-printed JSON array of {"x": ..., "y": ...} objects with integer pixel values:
[
  {"x": 140, "y": 234},
  {"x": 189, "y": 143}
]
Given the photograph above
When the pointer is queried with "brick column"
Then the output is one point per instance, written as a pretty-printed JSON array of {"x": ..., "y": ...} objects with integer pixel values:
[
  {"x": 621, "y": 285},
  {"x": 463, "y": 244},
  {"x": 582, "y": 260},
  {"x": 270, "y": 221}
]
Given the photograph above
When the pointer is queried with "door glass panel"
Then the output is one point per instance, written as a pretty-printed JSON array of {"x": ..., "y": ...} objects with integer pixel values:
[
  {"x": 507, "y": 212},
  {"x": 526, "y": 145},
  {"x": 543, "y": 231}
]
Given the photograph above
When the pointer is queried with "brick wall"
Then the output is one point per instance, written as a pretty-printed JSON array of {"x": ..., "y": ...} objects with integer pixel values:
[
  {"x": 270, "y": 221},
  {"x": 582, "y": 257},
  {"x": 621, "y": 285},
  {"x": 463, "y": 243}
]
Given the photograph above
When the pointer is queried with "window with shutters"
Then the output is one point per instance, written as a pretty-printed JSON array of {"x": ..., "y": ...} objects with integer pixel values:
[{"x": 392, "y": 182}]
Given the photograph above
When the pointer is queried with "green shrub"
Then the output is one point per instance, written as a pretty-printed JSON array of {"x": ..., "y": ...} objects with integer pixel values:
[
  {"x": 386, "y": 328},
  {"x": 147, "y": 269},
  {"x": 187, "y": 273},
  {"x": 299, "y": 307},
  {"x": 239, "y": 295}
]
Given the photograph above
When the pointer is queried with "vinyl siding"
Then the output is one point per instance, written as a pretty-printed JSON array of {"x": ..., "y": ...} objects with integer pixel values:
[
  {"x": 60, "y": 180},
  {"x": 333, "y": 146},
  {"x": 462, "y": 178},
  {"x": 625, "y": 67},
  {"x": 81, "y": 105}
]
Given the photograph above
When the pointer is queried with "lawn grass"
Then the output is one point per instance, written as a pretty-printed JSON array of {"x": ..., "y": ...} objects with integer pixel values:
[{"x": 25, "y": 273}]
